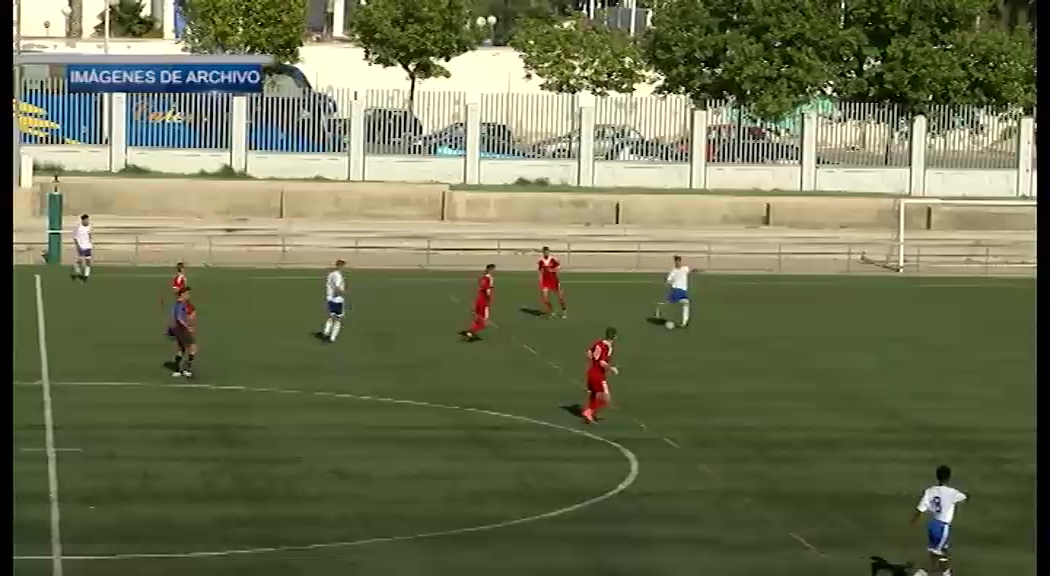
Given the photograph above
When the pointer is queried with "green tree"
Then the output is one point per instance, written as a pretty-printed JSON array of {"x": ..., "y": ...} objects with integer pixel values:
[
  {"x": 922, "y": 54},
  {"x": 768, "y": 56},
  {"x": 415, "y": 35},
  {"x": 578, "y": 56},
  {"x": 126, "y": 20},
  {"x": 273, "y": 27}
]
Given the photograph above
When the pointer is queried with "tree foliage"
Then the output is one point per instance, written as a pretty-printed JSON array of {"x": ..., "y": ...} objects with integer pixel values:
[
  {"x": 272, "y": 27},
  {"x": 922, "y": 54},
  {"x": 415, "y": 35},
  {"x": 126, "y": 20},
  {"x": 578, "y": 56},
  {"x": 769, "y": 56}
]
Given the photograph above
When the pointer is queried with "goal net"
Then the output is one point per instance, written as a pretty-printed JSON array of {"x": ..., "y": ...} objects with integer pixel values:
[{"x": 964, "y": 236}]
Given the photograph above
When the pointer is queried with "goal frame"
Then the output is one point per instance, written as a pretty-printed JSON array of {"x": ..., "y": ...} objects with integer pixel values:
[{"x": 905, "y": 202}]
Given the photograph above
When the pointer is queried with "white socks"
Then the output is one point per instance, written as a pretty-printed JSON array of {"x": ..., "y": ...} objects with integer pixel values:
[
  {"x": 87, "y": 270},
  {"x": 685, "y": 313},
  {"x": 331, "y": 329}
]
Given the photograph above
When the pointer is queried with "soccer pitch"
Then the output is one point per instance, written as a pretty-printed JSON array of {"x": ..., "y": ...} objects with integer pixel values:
[{"x": 790, "y": 431}]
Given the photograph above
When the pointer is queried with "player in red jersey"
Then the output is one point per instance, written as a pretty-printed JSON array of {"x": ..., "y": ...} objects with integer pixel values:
[
  {"x": 599, "y": 356},
  {"x": 481, "y": 305},
  {"x": 549, "y": 268},
  {"x": 179, "y": 281}
]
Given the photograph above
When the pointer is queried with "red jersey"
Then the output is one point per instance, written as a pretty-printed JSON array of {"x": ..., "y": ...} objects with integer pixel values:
[
  {"x": 548, "y": 268},
  {"x": 599, "y": 352},
  {"x": 485, "y": 288},
  {"x": 179, "y": 282}
]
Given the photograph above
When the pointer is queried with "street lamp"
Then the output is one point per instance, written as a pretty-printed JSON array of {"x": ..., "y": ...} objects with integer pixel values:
[
  {"x": 489, "y": 21},
  {"x": 105, "y": 24},
  {"x": 66, "y": 13}
]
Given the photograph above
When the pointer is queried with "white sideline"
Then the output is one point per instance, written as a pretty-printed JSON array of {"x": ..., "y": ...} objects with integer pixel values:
[{"x": 49, "y": 435}]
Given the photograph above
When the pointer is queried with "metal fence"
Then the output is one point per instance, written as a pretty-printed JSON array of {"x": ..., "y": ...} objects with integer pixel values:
[
  {"x": 795, "y": 256},
  {"x": 863, "y": 135},
  {"x": 530, "y": 125},
  {"x": 627, "y": 128}
]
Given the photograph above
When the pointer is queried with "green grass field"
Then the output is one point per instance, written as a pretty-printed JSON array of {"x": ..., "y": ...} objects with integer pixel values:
[{"x": 789, "y": 432}]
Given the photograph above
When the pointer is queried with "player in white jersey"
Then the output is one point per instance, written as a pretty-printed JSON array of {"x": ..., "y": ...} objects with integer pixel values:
[
  {"x": 82, "y": 242},
  {"x": 677, "y": 292},
  {"x": 939, "y": 503},
  {"x": 335, "y": 288}
]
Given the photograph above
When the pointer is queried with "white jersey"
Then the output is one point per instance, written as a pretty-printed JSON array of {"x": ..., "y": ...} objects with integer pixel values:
[
  {"x": 334, "y": 286},
  {"x": 82, "y": 236},
  {"x": 940, "y": 501},
  {"x": 678, "y": 278}
]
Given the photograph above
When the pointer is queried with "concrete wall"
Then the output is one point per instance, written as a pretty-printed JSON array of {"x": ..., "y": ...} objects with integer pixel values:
[
  {"x": 243, "y": 199},
  {"x": 231, "y": 200}
]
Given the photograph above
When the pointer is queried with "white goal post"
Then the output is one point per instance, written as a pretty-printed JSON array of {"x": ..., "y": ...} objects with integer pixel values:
[{"x": 904, "y": 203}]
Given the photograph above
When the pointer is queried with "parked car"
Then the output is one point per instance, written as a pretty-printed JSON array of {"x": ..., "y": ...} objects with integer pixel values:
[
  {"x": 391, "y": 130},
  {"x": 606, "y": 138},
  {"x": 495, "y": 141}
]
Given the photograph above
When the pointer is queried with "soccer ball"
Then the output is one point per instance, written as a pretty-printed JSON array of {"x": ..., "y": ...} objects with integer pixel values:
[{"x": 669, "y": 325}]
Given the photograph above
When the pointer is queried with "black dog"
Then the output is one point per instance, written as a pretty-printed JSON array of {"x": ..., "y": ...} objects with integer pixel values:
[{"x": 881, "y": 566}]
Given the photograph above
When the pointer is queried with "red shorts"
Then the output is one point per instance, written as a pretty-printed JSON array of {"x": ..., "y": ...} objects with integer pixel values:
[
  {"x": 596, "y": 383},
  {"x": 481, "y": 309},
  {"x": 550, "y": 284}
]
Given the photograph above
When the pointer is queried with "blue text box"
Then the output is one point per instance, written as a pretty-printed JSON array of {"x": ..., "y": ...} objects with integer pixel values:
[{"x": 153, "y": 78}]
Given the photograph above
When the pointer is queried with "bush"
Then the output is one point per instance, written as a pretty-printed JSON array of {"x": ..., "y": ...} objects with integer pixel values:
[{"x": 126, "y": 21}]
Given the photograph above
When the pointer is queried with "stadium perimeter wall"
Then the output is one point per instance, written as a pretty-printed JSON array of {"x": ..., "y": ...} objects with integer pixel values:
[{"x": 230, "y": 200}]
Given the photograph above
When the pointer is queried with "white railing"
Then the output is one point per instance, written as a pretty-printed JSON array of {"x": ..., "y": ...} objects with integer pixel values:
[{"x": 925, "y": 256}]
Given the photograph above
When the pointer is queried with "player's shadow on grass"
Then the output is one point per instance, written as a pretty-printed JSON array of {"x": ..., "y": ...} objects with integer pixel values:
[
  {"x": 574, "y": 409},
  {"x": 531, "y": 311},
  {"x": 171, "y": 366},
  {"x": 655, "y": 321}
]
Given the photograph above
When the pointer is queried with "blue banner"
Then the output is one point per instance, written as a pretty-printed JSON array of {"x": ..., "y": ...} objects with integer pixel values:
[{"x": 164, "y": 78}]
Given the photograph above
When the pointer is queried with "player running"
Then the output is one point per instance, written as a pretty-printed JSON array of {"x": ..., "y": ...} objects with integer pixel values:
[
  {"x": 335, "y": 289},
  {"x": 939, "y": 502},
  {"x": 184, "y": 330},
  {"x": 678, "y": 292},
  {"x": 599, "y": 356},
  {"x": 549, "y": 268},
  {"x": 82, "y": 243},
  {"x": 482, "y": 303}
]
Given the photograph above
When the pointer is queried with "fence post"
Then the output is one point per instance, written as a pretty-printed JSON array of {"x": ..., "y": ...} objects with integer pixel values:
[
  {"x": 1025, "y": 163},
  {"x": 917, "y": 164},
  {"x": 356, "y": 145},
  {"x": 809, "y": 151},
  {"x": 472, "y": 158},
  {"x": 239, "y": 133},
  {"x": 135, "y": 253},
  {"x": 118, "y": 132},
  {"x": 698, "y": 148},
  {"x": 585, "y": 150},
  {"x": 849, "y": 258}
]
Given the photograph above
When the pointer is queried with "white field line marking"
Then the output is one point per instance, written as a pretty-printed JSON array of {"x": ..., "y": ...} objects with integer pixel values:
[
  {"x": 56, "y": 450},
  {"x": 627, "y": 481},
  {"x": 49, "y": 435},
  {"x": 806, "y": 543}
]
